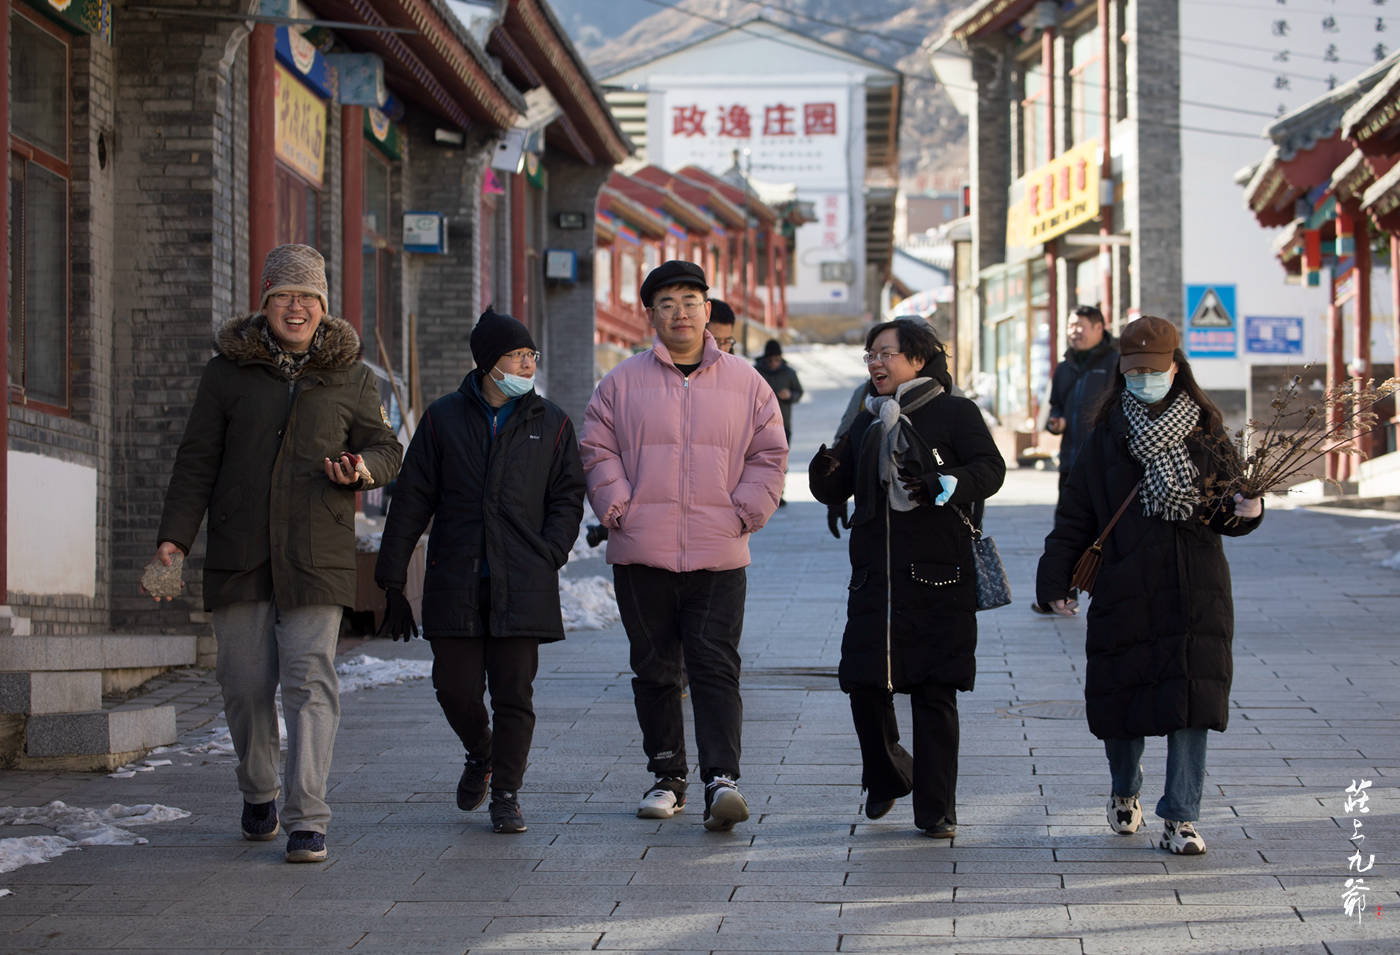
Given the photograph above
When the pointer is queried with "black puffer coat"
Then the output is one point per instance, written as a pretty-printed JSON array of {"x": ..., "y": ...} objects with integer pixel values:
[
  {"x": 516, "y": 501},
  {"x": 1162, "y": 619},
  {"x": 911, "y": 616}
]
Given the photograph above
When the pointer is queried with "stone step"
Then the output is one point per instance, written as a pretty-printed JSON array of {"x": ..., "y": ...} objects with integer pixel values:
[
  {"x": 104, "y": 651},
  {"x": 51, "y": 691},
  {"x": 11, "y": 623},
  {"x": 100, "y": 739}
]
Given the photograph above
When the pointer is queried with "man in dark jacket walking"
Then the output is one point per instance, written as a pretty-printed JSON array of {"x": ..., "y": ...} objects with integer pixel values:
[
  {"x": 1088, "y": 368},
  {"x": 265, "y": 454},
  {"x": 496, "y": 468},
  {"x": 782, "y": 379}
]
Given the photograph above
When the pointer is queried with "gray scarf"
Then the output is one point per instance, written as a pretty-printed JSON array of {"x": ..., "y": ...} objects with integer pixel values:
[
  {"x": 1159, "y": 444},
  {"x": 893, "y": 421}
]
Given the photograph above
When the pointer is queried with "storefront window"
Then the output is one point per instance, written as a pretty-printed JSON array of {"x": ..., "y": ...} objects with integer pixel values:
[
  {"x": 602, "y": 276},
  {"x": 1035, "y": 134},
  {"x": 298, "y": 209},
  {"x": 379, "y": 321},
  {"x": 1085, "y": 86},
  {"x": 39, "y": 176}
]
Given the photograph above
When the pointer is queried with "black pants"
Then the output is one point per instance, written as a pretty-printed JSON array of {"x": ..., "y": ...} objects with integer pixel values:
[
  {"x": 464, "y": 668},
  {"x": 888, "y": 770},
  {"x": 693, "y": 618}
]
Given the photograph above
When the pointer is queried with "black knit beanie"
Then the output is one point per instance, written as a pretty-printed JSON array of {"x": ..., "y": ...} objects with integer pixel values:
[{"x": 494, "y": 335}]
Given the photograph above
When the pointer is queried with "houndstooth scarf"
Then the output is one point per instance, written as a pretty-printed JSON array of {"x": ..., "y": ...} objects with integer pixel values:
[
  {"x": 1159, "y": 444},
  {"x": 892, "y": 418}
]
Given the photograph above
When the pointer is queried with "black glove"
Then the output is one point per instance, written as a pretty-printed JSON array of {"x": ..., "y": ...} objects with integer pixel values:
[
  {"x": 915, "y": 487},
  {"x": 398, "y": 617},
  {"x": 836, "y": 515},
  {"x": 596, "y": 534},
  {"x": 825, "y": 462}
]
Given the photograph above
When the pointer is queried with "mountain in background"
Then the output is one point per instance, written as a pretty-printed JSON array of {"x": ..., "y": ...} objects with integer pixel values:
[{"x": 613, "y": 34}]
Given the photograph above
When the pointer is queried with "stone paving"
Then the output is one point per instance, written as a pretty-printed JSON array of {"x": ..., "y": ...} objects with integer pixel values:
[{"x": 1034, "y": 868}]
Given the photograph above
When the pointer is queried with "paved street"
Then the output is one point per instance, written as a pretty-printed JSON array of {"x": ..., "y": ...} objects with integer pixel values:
[{"x": 1034, "y": 868}]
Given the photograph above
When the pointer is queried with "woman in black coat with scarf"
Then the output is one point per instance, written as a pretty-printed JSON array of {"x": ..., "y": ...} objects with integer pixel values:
[
  {"x": 920, "y": 462},
  {"x": 1162, "y": 620}
]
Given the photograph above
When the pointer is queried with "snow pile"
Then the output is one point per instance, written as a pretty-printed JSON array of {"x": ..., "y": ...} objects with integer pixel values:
[
  {"x": 75, "y": 827},
  {"x": 364, "y": 671},
  {"x": 1393, "y": 561},
  {"x": 589, "y": 603}
]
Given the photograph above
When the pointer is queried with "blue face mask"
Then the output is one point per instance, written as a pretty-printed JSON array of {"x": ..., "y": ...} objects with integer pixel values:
[
  {"x": 513, "y": 386},
  {"x": 1149, "y": 387}
]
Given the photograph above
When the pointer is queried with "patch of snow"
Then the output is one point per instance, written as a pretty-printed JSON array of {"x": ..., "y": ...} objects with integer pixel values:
[
  {"x": 581, "y": 550},
  {"x": 363, "y": 672},
  {"x": 1393, "y": 561},
  {"x": 589, "y": 603},
  {"x": 76, "y": 827}
]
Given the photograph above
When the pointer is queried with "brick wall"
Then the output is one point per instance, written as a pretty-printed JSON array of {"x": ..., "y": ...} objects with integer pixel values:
[
  {"x": 441, "y": 290},
  {"x": 569, "y": 372}
]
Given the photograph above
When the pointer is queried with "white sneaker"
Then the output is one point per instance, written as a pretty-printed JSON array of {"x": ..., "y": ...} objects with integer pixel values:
[
  {"x": 1124, "y": 814},
  {"x": 663, "y": 800},
  {"x": 724, "y": 804},
  {"x": 1181, "y": 838}
]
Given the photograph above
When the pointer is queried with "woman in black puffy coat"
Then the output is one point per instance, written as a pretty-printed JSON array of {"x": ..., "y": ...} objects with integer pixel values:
[
  {"x": 919, "y": 462},
  {"x": 1162, "y": 620}
]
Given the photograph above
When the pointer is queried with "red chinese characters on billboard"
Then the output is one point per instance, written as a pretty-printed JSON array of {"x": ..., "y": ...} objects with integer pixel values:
[{"x": 736, "y": 121}]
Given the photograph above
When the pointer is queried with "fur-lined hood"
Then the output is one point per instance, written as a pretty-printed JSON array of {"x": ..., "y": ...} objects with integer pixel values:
[{"x": 240, "y": 340}]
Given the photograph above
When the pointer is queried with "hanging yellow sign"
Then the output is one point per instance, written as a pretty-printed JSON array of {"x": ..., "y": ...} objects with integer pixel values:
[
  {"x": 301, "y": 127},
  {"x": 1051, "y": 200}
]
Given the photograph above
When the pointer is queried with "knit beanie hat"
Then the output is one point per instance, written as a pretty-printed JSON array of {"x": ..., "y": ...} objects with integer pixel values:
[
  {"x": 494, "y": 335},
  {"x": 771, "y": 348},
  {"x": 294, "y": 268}
]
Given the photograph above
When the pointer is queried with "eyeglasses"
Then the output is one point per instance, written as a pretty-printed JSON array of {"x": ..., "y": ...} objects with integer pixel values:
[
  {"x": 883, "y": 356},
  {"x": 669, "y": 309},
  {"x": 725, "y": 342},
  {"x": 304, "y": 299},
  {"x": 520, "y": 355}
]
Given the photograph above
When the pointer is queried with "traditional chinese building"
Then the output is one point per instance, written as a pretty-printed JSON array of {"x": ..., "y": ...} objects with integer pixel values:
[
  {"x": 1103, "y": 156},
  {"x": 155, "y": 154},
  {"x": 1330, "y": 184},
  {"x": 758, "y": 101}
]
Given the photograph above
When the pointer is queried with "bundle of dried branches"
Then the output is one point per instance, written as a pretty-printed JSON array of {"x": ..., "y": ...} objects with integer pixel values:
[{"x": 1305, "y": 428}]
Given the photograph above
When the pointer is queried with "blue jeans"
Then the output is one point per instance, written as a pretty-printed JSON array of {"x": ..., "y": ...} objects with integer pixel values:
[{"x": 1186, "y": 771}]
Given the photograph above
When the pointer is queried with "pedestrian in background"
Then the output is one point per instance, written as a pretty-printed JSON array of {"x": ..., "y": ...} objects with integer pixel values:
[
  {"x": 285, "y": 428},
  {"x": 1079, "y": 383},
  {"x": 495, "y": 468},
  {"x": 782, "y": 378},
  {"x": 721, "y": 325},
  {"x": 920, "y": 462},
  {"x": 684, "y": 455},
  {"x": 1162, "y": 619}
]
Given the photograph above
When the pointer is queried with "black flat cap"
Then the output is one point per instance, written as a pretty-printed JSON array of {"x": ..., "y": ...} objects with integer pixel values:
[{"x": 673, "y": 272}]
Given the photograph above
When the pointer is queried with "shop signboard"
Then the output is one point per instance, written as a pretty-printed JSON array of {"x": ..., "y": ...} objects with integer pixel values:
[
  {"x": 1273, "y": 335},
  {"x": 1055, "y": 198},
  {"x": 301, "y": 126}
]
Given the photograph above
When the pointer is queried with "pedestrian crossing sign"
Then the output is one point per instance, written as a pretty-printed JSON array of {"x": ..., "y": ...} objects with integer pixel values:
[{"x": 1211, "y": 330}]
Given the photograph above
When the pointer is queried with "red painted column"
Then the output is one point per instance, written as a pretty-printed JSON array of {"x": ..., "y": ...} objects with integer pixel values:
[
  {"x": 1362, "y": 326},
  {"x": 519, "y": 289},
  {"x": 262, "y": 145},
  {"x": 770, "y": 310},
  {"x": 1106, "y": 169},
  {"x": 5, "y": 305},
  {"x": 1052, "y": 300},
  {"x": 751, "y": 266},
  {"x": 1336, "y": 365},
  {"x": 352, "y": 215}
]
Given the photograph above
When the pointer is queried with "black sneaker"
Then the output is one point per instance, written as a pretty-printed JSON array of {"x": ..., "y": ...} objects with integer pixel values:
[
  {"x": 260, "y": 821},
  {"x": 724, "y": 804},
  {"x": 471, "y": 788},
  {"x": 306, "y": 846},
  {"x": 505, "y": 812}
]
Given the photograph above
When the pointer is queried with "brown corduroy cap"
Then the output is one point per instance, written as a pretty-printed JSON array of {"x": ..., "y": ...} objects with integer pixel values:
[
  {"x": 294, "y": 268},
  {"x": 1148, "y": 342}
]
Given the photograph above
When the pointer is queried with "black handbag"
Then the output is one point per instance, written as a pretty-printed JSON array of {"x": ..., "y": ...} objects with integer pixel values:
[{"x": 993, "y": 586}]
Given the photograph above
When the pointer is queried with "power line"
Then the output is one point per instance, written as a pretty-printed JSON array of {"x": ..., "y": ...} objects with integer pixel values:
[{"x": 1265, "y": 49}]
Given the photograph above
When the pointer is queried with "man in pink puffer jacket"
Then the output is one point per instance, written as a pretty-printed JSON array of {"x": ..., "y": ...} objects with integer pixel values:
[{"x": 684, "y": 454}]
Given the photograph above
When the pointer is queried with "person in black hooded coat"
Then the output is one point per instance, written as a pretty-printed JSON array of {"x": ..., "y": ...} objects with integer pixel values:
[
  {"x": 496, "y": 469},
  {"x": 911, "y": 615},
  {"x": 1161, "y": 622}
]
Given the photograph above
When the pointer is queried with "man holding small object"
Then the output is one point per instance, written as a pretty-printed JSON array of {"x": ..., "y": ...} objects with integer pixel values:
[{"x": 285, "y": 428}]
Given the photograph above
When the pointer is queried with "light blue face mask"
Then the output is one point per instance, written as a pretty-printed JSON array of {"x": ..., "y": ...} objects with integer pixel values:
[
  {"x": 1149, "y": 387},
  {"x": 513, "y": 386}
]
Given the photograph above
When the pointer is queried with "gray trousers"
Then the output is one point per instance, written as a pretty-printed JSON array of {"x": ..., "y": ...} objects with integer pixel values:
[{"x": 260, "y": 646}]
